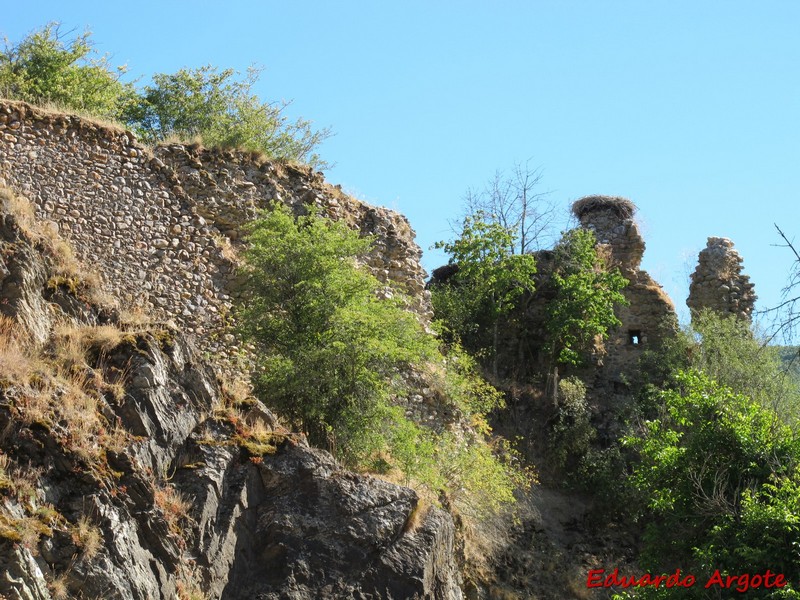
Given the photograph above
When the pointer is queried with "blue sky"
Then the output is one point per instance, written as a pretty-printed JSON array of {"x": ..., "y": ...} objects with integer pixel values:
[{"x": 690, "y": 109}]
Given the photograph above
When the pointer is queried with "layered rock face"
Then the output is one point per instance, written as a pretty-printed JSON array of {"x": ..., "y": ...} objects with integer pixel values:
[
  {"x": 650, "y": 314},
  {"x": 127, "y": 473},
  {"x": 718, "y": 282},
  {"x": 162, "y": 228}
]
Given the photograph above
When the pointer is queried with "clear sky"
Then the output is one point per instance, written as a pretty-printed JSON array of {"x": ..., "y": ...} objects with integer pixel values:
[{"x": 690, "y": 109}]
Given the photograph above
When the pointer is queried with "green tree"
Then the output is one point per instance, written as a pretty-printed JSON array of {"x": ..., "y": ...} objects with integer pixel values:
[
  {"x": 733, "y": 355},
  {"x": 719, "y": 480},
  {"x": 48, "y": 67},
  {"x": 221, "y": 108},
  {"x": 330, "y": 350},
  {"x": 489, "y": 280},
  {"x": 331, "y": 358},
  {"x": 586, "y": 292}
]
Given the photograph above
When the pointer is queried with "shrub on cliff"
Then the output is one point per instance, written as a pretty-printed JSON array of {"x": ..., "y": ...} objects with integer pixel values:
[
  {"x": 221, "y": 108},
  {"x": 48, "y": 67},
  {"x": 331, "y": 348},
  {"x": 332, "y": 354}
]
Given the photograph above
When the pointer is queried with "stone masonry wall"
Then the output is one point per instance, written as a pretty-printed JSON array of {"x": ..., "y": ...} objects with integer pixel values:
[
  {"x": 718, "y": 283},
  {"x": 159, "y": 228},
  {"x": 650, "y": 314}
]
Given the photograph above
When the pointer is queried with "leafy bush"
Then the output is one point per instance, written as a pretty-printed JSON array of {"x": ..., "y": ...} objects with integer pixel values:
[
  {"x": 489, "y": 279},
  {"x": 220, "y": 108},
  {"x": 719, "y": 474},
  {"x": 46, "y": 67},
  {"x": 731, "y": 354},
  {"x": 572, "y": 432},
  {"x": 331, "y": 349},
  {"x": 586, "y": 293},
  {"x": 331, "y": 355}
]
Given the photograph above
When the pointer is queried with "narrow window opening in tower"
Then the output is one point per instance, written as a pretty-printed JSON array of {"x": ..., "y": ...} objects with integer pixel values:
[{"x": 635, "y": 337}]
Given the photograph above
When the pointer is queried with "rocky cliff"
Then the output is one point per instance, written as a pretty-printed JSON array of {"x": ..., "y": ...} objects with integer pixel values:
[{"x": 128, "y": 470}]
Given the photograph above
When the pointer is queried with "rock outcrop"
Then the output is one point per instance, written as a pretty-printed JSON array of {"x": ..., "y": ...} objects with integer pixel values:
[
  {"x": 128, "y": 472},
  {"x": 718, "y": 283}
]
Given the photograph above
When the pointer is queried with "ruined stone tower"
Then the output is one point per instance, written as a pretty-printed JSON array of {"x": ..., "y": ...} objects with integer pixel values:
[
  {"x": 718, "y": 283},
  {"x": 650, "y": 314}
]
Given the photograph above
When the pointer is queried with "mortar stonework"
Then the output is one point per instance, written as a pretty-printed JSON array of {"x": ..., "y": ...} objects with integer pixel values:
[
  {"x": 718, "y": 283},
  {"x": 161, "y": 227},
  {"x": 650, "y": 314}
]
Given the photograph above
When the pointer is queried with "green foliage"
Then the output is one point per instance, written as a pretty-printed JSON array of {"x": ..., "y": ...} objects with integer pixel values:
[
  {"x": 331, "y": 348},
  {"x": 572, "y": 432},
  {"x": 331, "y": 355},
  {"x": 719, "y": 476},
  {"x": 221, "y": 108},
  {"x": 470, "y": 392},
  {"x": 731, "y": 354},
  {"x": 586, "y": 293},
  {"x": 487, "y": 265},
  {"x": 217, "y": 106},
  {"x": 490, "y": 278},
  {"x": 479, "y": 477},
  {"x": 414, "y": 450},
  {"x": 46, "y": 67}
]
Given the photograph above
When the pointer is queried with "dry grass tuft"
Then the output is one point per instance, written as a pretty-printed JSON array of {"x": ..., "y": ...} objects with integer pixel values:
[
  {"x": 87, "y": 537},
  {"x": 58, "y": 587},
  {"x": 173, "y": 506},
  {"x": 19, "y": 207},
  {"x": 417, "y": 515},
  {"x": 18, "y": 359},
  {"x": 136, "y": 317}
]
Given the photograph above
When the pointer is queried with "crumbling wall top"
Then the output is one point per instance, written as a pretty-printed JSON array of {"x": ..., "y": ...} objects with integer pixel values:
[
  {"x": 611, "y": 220},
  {"x": 718, "y": 283}
]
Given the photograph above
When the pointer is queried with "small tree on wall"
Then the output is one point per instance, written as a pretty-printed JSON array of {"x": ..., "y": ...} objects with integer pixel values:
[
  {"x": 583, "y": 307},
  {"x": 489, "y": 280}
]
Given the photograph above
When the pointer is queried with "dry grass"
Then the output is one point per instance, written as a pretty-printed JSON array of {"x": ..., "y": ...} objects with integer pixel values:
[
  {"x": 58, "y": 587},
  {"x": 417, "y": 515},
  {"x": 135, "y": 317},
  {"x": 173, "y": 506},
  {"x": 59, "y": 110},
  {"x": 226, "y": 248},
  {"x": 62, "y": 393},
  {"x": 67, "y": 269},
  {"x": 19, "y": 207},
  {"x": 18, "y": 359},
  {"x": 87, "y": 536}
]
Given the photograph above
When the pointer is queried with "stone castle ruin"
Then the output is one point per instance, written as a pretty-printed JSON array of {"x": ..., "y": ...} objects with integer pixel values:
[
  {"x": 161, "y": 226},
  {"x": 718, "y": 283},
  {"x": 650, "y": 314}
]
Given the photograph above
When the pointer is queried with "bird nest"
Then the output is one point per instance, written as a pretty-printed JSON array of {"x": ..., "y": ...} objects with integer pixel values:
[{"x": 623, "y": 207}]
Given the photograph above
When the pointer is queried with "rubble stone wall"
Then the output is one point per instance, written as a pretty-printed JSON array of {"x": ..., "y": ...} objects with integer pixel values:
[
  {"x": 650, "y": 314},
  {"x": 718, "y": 283},
  {"x": 161, "y": 226}
]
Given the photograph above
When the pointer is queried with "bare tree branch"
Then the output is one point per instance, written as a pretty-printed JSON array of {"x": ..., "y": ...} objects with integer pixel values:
[{"x": 513, "y": 201}]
